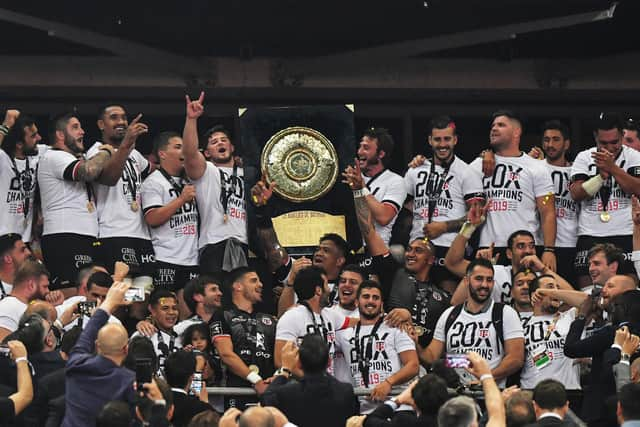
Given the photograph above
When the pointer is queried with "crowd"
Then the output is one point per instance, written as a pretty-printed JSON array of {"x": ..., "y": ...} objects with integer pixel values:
[{"x": 130, "y": 284}]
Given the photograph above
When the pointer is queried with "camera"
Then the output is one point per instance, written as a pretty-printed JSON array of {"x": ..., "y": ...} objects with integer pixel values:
[
  {"x": 134, "y": 295},
  {"x": 5, "y": 351}
]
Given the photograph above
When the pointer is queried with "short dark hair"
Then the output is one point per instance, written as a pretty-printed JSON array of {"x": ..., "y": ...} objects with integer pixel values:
[
  {"x": 70, "y": 338},
  {"x": 205, "y": 419},
  {"x": 307, "y": 280},
  {"x": 384, "y": 142},
  {"x": 611, "y": 252},
  {"x": 556, "y": 125},
  {"x": 478, "y": 262},
  {"x": 368, "y": 284},
  {"x": 7, "y": 243},
  {"x": 517, "y": 233},
  {"x": 337, "y": 240},
  {"x": 145, "y": 404},
  {"x": 216, "y": 129},
  {"x": 179, "y": 367},
  {"x": 140, "y": 347},
  {"x": 631, "y": 124},
  {"x": 196, "y": 286},
  {"x": 32, "y": 333},
  {"x": 158, "y": 293},
  {"x": 59, "y": 123},
  {"x": 29, "y": 270},
  {"x": 520, "y": 410},
  {"x": 161, "y": 141},
  {"x": 510, "y": 114},
  {"x": 17, "y": 134},
  {"x": 535, "y": 283},
  {"x": 314, "y": 354},
  {"x": 99, "y": 278},
  {"x": 442, "y": 122},
  {"x": 355, "y": 268},
  {"x": 104, "y": 107},
  {"x": 629, "y": 399},
  {"x": 608, "y": 121},
  {"x": 550, "y": 394},
  {"x": 237, "y": 274},
  {"x": 625, "y": 308},
  {"x": 114, "y": 414},
  {"x": 430, "y": 393}
]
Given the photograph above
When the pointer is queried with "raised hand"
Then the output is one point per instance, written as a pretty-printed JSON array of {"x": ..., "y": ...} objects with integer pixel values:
[
  {"x": 134, "y": 130},
  {"x": 353, "y": 176},
  {"x": 10, "y": 118},
  {"x": 188, "y": 193},
  {"x": 417, "y": 161},
  {"x": 635, "y": 210},
  {"x": 478, "y": 214},
  {"x": 262, "y": 191},
  {"x": 195, "y": 108}
]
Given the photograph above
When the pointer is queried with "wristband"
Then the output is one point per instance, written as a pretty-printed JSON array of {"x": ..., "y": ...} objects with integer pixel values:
[
  {"x": 619, "y": 347},
  {"x": 363, "y": 192},
  {"x": 58, "y": 324},
  {"x": 635, "y": 256},
  {"x": 392, "y": 403},
  {"x": 467, "y": 230},
  {"x": 485, "y": 377},
  {"x": 549, "y": 249},
  {"x": 21, "y": 359},
  {"x": 253, "y": 378},
  {"x": 4, "y": 130},
  {"x": 160, "y": 402},
  {"x": 593, "y": 185}
]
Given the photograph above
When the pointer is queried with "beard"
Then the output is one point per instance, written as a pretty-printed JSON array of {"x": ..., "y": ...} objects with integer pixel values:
[
  {"x": 72, "y": 144},
  {"x": 473, "y": 293},
  {"x": 367, "y": 316},
  {"x": 30, "y": 151}
]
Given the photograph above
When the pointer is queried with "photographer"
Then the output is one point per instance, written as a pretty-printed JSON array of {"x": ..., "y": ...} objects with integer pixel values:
[{"x": 14, "y": 404}]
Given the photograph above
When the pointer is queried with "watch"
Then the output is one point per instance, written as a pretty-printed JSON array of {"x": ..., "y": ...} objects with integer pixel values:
[
  {"x": 285, "y": 372},
  {"x": 624, "y": 357}
]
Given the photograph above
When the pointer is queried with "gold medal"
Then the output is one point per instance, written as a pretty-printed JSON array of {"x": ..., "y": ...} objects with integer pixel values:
[
  {"x": 254, "y": 369},
  {"x": 135, "y": 206},
  {"x": 419, "y": 330},
  {"x": 605, "y": 216},
  {"x": 225, "y": 218},
  {"x": 90, "y": 206}
]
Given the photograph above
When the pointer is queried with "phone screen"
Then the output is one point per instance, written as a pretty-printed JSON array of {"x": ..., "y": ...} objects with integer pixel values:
[
  {"x": 196, "y": 384},
  {"x": 134, "y": 295},
  {"x": 456, "y": 361},
  {"x": 144, "y": 372}
]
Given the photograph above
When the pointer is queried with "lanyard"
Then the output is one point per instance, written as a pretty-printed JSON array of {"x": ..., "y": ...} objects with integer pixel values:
[
  {"x": 25, "y": 184},
  {"x": 319, "y": 329},
  {"x": 434, "y": 190},
  {"x": 174, "y": 184},
  {"x": 227, "y": 192},
  {"x": 132, "y": 178},
  {"x": 4, "y": 293},
  {"x": 364, "y": 357},
  {"x": 551, "y": 327},
  {"x": 166, "y": 351}
]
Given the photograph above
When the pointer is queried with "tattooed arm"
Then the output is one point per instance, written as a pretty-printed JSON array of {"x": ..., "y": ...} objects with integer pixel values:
[
  {"x": 374, "y": 242},
  {"x": 89, "y": 170}
]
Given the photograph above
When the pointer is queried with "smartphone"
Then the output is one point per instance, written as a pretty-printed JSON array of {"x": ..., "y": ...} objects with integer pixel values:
[
  {"x": 144, "y": 372},
  {"x": 85, "y": 308},
  {"x": 456, "y": 361},
  {"x": 4, "y": 350},
  {"x": 196, "y": 384},
  {"x": 134, "y": 295}
]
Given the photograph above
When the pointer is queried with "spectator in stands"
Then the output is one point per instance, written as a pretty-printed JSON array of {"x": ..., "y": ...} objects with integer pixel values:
[
  {"x": 550, "y": 403},
  {"x": 16, "y": 402},
  {"x": 318, "y": 399},
  {"x": 13, "y": 253},
  {"x": 94, "y": 379},
  {"x": 31, "y": 282},
  {"x": 179, "y": 369},
  {"x": 628, "y": 410},
  {"x": 519, "y": 409},
  {"x": 461, "y": 411}
]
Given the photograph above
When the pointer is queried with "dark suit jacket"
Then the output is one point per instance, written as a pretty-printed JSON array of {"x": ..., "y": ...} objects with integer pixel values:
[
  {"x": 551, "y": 422},
  {"x": 49, "y": 387},
  {"x": 186, "y": 407},
  {"x": 318, "y": 400},
  {"x": 384, "y": 416}
]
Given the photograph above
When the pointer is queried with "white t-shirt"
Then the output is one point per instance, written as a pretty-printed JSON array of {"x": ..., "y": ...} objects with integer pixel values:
[
  {"x": 297, "y": 322},
  {"x": 157, "y": 345},
  {"x": 11, "y": 309},
  {"x": 19, "y": 183},
  {"x": 7, "y": 288},
  {"x": 85, "y": 319},
  {"x": 513, "y": 189},
  {"x": 566, "y": 208},
  {"x": 461, "y": 184},
  {"x": 475, "y": 332},
  {"x": 210, "y": 188},
  {"x": 560, "y": 368},
  {"x": 115, "y": 216},
  {"x": 619, "y": 205},
  {"x": 64, "y": 201},
  {"x": 175, "y": 241},
  {"x": 635, "y": 258},
  {"x": 386, "y": 347},
  {"x": 502, "y": 284},
  {"x": 344, "y": 312},
  {"x": 387, "y": 187}
]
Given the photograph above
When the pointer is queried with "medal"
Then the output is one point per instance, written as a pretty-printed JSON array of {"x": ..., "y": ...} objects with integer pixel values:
[
  {"x": 90, "y": 206},
  {"x": 254, "y": 369},
  {"x": 419, "y": 330},
  {"x": 135, "y": 206},
  {"x": 605, "y": 216}
]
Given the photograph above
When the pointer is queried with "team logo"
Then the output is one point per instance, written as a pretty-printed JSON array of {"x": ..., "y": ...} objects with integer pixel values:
[
  {"x": 267, "y": 321},
  {"x": 215, "y": 328},
  {"x": 379, "y": 346},
  {"x": 436, "y": 296},
  {"x": 483, "y": 333}
]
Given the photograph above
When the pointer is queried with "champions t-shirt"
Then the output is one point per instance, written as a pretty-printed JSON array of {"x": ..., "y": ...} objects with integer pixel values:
[
  {"x": 619, "y": 203},
  {"x": 116, "y": 218},
  {"x": 513, "y": 188},
  {"x": 387, "y": 187},
  {"x": 566, "y": 208},
  {"x": 216, "y": 184},
  {"x": 502, "y": 284},
  {"x": 461, "y": 185},
  {"x": 297, "y": 322},
  {"x": 64, "y": 201},
  {"x": 386, "y": 346},
  {"x": 175, "y": 241},
  {"x": 544, "y": 339},
  {"x": 476, "y": 332}
]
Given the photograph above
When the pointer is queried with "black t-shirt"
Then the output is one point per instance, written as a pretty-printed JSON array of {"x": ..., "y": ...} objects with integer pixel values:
[
  {"x": 424, "y": 300},
  {"x": 253, "y": 337},
  {"x": 7, "y": 412}
]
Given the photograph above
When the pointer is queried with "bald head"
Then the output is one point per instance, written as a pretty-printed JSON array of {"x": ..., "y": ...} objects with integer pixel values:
[
  {"x": 44, "y": 309},
  {"x": 615, "y": 286},
  {"x": 112, "y": 339},
  {"x": 256, "y": 416}
]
